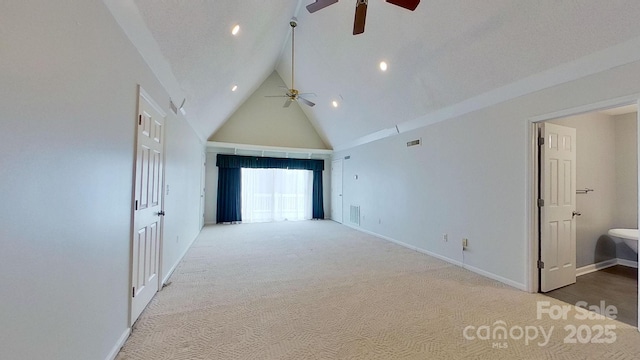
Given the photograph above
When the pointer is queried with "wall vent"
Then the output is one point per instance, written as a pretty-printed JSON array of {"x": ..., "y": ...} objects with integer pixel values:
[
  {"x": 414, "y": 142},
  {"x": 347, "y": 157},
  {"x": 354, "y": 214}
]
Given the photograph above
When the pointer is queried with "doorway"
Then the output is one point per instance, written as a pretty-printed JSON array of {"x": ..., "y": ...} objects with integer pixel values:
[
  {"x": 605, "y": 189},
  {"x": 148, "y": 205}
]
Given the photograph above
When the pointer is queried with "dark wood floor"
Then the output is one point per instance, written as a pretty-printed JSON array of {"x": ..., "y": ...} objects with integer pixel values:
[{"x": 617, "y": 285}]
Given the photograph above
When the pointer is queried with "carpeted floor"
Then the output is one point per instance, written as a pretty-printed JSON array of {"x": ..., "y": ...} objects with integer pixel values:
[{"x": 320, "y": 290}]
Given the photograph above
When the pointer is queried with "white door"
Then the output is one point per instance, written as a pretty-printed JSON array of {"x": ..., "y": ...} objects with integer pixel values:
[
  {"x": 336, "y": 190},
  {"x": 557, "y": 213},
  {"x": 147, "y": 218}
]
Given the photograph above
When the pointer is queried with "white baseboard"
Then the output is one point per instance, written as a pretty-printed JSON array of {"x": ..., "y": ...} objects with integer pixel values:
[
  {"x": 116, "y": 349},
  {"x": 595, "y": 267},
  {"x": 173, "y": 268},
  {"x": 476, "y": 270},
  {"x": 605, "y": 264},
  {"x": 490, "y": 275},
  {"x": 629, "y": 263}
]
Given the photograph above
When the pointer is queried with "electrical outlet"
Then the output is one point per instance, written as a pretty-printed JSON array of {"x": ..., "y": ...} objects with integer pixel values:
[
  {"x": 465, "y": 243},
  {"x": 445, "y": 237}
]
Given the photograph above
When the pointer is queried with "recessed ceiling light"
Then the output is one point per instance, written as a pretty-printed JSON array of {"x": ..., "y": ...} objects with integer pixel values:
[
  {"x": 334, "y": 103},
  {"x": 383, "y": 66},
  {"x": 234, "y": 88},
  {"x": 235, "y": 30}
]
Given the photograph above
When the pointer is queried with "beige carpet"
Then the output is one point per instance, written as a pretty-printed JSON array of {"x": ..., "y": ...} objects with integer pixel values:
[{"x": 319, "y": 290}]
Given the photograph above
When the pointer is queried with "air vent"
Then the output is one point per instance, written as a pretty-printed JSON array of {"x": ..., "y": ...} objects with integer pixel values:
[
  {"x": 347, "y": 157},
  {"x": 354, "y": 214},
  {"x": 414, "y": 142}
]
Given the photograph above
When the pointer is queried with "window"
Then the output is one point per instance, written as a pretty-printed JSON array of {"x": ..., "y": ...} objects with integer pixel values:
[{"x": 276, "y": 195}]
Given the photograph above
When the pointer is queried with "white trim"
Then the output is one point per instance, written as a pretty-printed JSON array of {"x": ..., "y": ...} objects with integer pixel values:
[
  {"x": 490, "y": 275},
  {"x": 595, "y": 267},
  {"x": 474, "y": 269},
  {"x": 605, "y": 264},
  {"x": 173, "y": 268},
  {"x": 119, "y": 344},
  {"x": 532, "y": 247},
  {"x": 213, "y": 146},
  {"x": 599, "y": 106},
  {"x": 629, "y": 263},
  {"x": 144, "y": 94}
]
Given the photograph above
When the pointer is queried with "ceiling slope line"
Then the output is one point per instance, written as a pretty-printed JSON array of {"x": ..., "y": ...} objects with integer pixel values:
[
  {"x": 127, "y": 15},
  {"x": 599, "y": 61}
]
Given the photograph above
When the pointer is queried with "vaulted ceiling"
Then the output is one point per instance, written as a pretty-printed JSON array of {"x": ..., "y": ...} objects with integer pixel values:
[{"x": 440, "y": 55}]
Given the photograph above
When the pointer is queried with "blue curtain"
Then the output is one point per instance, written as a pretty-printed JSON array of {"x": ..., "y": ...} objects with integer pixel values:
[
  {"x": 237, "y": 161},
  {"x": 229, "y": 195},
  {"x": 317, "y": 201},
  {"x": 229, "y": 192}
]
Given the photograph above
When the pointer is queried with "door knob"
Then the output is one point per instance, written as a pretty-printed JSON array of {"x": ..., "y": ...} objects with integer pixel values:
[
  {"x": 160, "y": 213},
  {"x": 575, "y": 213}
]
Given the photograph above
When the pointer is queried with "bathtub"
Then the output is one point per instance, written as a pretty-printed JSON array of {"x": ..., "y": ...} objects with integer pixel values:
[{"x": 629, "y": 236}]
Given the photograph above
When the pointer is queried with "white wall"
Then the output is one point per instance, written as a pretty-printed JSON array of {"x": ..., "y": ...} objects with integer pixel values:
[
  {"x": 68, "y": 93},
  {"x": 595, "y": 169},
  {"x": 626, "y": 204},
  {"x": 470, "y": 178},
  {"x": 626, "y": 210},
  {"x": 264, "y": 121},
  {"x": 182, "y": 201}
]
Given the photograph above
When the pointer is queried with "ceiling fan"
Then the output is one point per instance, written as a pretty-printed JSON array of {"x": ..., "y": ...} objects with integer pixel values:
[
  {"x": 361, "y": 10},
  {"x": 293, "y": 94}
]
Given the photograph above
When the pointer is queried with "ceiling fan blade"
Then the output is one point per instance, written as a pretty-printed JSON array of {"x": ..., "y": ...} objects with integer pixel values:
[
  {"x": 287, "y": 103},
  {"x": 319, "y": 5},
  {"x": 307, "y": 102},
  {"x": 407, "y": 4},
  {"x": 360, "y": 18}
]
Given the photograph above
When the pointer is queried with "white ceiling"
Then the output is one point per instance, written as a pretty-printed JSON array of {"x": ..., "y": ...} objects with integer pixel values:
[{"x": 444, "y": 53}]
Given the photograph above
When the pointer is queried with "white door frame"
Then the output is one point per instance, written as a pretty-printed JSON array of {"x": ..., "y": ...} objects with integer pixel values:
[
  {"x": 203, "y": 181},
  {"x": 149, "y": 99},
  {"x": 333, "y": 206},
  {"x": 532, "y": 248}
]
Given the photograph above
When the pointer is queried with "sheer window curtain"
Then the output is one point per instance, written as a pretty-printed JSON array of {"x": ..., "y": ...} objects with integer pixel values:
[{"x": 276, "y": 195}]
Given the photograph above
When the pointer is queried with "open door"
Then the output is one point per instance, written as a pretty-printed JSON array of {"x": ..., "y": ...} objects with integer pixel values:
[
  {"x": 336, "y": 190},
  {"x": 148, "y": 206},
  {"x": 557, "y": 206}
]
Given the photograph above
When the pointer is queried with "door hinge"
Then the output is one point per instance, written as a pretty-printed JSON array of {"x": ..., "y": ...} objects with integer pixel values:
[
  {"x": 136, "y": 204},
  {"x": 540, "y": 264},
  {"x": 133, "y": 292},
  {"x": 540, "y": 202},
  {"x": 139, "y": 119},
  {"x": 540, "y": 141}
]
